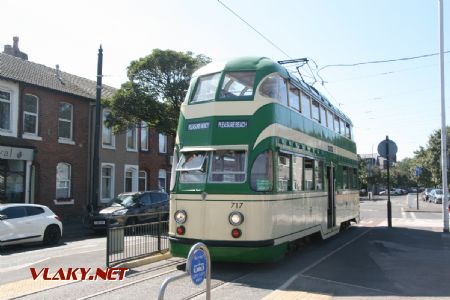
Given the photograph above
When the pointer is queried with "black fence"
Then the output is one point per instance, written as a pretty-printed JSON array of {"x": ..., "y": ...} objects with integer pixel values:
[{"x": 128, "y": 242}]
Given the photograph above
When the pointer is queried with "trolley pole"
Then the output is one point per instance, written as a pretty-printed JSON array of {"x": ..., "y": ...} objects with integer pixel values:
[{"x": 389, "y": 206}]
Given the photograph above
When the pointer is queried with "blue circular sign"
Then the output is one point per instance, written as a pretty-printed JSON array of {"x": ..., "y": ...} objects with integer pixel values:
[{"x": 198, "y": 266}]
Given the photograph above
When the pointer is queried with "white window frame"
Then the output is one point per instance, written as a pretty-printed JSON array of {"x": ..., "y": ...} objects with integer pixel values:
[
  {"x": 135, "y": 177},
  {"x": 135, "y": 146},
  {"x": 162, "y": 174},
  {"x": 145, "y": 178},
  {"x": 113, "y": 172},
  {"x": 31, "y": 135},
  {"x": 69, "y": 180},
  {"x": 113, "y": 136},
  {"x": 144, "y": 131},
  {"x": 64, "y": 140},
  {"x": 164, "y": 149},
  {"x": 13, "y": 90}
]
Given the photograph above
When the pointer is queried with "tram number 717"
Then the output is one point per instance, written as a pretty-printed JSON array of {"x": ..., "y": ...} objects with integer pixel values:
[{"x": 236, "y": 204}]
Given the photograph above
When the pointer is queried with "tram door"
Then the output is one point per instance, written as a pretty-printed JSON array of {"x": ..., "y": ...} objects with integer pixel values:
[{"x": 331, "y": 211}]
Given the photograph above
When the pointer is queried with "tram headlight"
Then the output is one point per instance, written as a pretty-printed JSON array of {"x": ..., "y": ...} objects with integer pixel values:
[
  {"x": 236, "y": 218},
  {"x": 180, "y": 216}
]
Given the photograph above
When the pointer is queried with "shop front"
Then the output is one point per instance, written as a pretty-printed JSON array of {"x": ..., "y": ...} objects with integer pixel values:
[{"x": 15, "y": 174}]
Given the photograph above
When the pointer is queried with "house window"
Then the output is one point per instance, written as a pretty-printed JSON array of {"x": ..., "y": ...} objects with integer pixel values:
[
  {"x": 30, "y": 114},
  {"x": 131, "y": 178},
  {"x": 131, "y": 139},
  {"x": 5, "y": 111},
  {"x": 162, "y": 180},
  {"x": 162, "y": 143},
  {"x": 107, "y": 187},
  {"x": 65, "y": 121},
  {"x": 142, "y": 181},
  {"x": 63, "y": 181},
  {"x": 108, "y": 139},
  {"x": 144, "y": 136}
]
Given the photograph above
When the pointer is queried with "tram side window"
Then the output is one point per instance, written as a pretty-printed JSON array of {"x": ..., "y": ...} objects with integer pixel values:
[
  {"x": 237, "y": 84},
  {"x": 228, "y": 166},
  {"x": 192, "y": 167},
  {"x": 330, "y": 120},
  {"x": 297, "y": 173},
  {"x": 309, "y": 173},
  {"x": 261, "y": 177},
  {"x": 275, "y": 87},
  {"x": 315, "y": 111},
  {"x": 342, "y": 125},
  {"x": 318, "y": 171},
  {"x": 337, "y": 127},
  {"x": 284, "y": 172},
  {"x": 306, "y": 105},
  {"x": 347, "y": 130},
  {"x": 323, "y": 116},
  {"x": 345, "y": 177},
  {"x": 206, "y": 88},
  {"x": 294, "y": 99}
]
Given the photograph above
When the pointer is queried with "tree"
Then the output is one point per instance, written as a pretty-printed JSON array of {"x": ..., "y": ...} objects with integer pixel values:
[
  {"x": 362, "y": 172},
  {"x": 157, "y": 86}
]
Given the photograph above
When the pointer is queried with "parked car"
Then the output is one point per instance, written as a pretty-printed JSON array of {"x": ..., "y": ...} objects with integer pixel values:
[
  {"x": 25, "y": 223},
  {"x": 123, "y": 209},
  {"x": 394, "y": 192},
  {"x": 436, "y": 196},
  {"x": 426, "y": 194}
]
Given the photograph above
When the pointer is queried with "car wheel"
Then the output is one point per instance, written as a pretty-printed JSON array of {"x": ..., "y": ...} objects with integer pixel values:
[{"x": 52, "y": 235}]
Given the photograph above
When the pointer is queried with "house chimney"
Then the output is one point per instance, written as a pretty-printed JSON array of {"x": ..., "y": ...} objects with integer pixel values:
[
  {"x": 14, "y": 49},
  {"x": 16, "y": 44}
]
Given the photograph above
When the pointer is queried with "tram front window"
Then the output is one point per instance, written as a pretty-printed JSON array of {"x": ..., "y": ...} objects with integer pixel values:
[
  {"x": 192, "y": 167},
  {"x": 237, "y": 84},
  {"x": 206, "y": 88},
  {"x": 228, "y": 166}
]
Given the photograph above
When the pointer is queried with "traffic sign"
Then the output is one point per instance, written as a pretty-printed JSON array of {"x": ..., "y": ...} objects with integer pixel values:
[
  {"x": 198, "y": 266},
  {"x": 418, "y": 171},
  {"x": 392, "y": 148}
]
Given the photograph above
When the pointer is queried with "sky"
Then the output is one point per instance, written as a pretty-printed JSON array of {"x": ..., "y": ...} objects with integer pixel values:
[{"x": 399, "y": 99}]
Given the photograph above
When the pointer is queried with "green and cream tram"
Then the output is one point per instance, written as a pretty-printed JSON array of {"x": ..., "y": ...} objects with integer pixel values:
[{"x": 261, "y": 160}]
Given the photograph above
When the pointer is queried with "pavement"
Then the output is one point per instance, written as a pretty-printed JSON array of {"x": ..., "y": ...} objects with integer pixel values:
[
  {"x": 74, "y": 229},
  {"x": 409, "y": 260}
]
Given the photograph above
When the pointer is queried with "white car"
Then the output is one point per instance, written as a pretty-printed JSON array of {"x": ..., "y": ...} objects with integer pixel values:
[{"x": 25, "y": 223}]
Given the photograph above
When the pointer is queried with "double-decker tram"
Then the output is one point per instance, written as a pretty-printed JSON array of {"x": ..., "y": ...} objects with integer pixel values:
[{"x": 261, "y": 160}]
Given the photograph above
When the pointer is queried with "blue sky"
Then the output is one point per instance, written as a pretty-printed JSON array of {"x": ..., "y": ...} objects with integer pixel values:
[{"x": 398, "y": 99}]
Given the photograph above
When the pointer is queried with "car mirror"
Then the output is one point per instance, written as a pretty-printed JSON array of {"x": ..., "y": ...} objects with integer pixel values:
[{"x": 3, "y": 217}]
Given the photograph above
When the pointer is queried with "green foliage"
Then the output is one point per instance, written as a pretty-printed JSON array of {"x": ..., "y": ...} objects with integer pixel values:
[{"x": 156, "y": 88}]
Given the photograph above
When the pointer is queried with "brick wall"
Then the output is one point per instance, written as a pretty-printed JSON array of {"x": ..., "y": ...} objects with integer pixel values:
[{"x": 50, "y": 152}]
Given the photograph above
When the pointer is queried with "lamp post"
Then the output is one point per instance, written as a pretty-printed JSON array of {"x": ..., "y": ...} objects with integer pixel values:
[{"x": 443, "y": 125}]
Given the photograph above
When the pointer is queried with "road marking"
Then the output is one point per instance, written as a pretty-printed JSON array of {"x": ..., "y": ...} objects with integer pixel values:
[
  {"x": 295, "y": 295},
  {"x": 15, "y": 268},
  {"x": 28, "y": 286},
  {"x": 279, "y": 294}
]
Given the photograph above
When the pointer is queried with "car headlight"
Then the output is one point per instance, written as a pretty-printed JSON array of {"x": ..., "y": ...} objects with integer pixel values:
[
  {"x": 119, "y": 212},
  {"x": 236, "y": 218},
  {"x": 180, "y": 216}
]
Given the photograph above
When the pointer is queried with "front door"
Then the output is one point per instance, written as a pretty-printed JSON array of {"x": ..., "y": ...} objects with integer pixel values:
[{"x": 331, "y": 211}]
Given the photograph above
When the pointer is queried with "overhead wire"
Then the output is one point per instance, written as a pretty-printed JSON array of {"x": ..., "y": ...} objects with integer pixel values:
[{"x": 254, "y": 29}]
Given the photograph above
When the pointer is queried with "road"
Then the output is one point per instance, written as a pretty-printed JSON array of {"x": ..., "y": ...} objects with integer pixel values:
[{"x": 352, "y": 264}]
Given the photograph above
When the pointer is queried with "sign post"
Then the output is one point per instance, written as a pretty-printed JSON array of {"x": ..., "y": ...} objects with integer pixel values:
[
  {"x": 418, "y": 171},
  {"x": 198, "y": 267},
  {"x": 388, "y": 149}
]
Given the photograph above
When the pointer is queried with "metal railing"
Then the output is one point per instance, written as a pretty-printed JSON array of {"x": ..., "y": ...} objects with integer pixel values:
[{"x": 129, "y": 242}]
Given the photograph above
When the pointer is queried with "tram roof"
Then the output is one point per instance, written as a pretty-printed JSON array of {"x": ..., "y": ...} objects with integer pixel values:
[{"x": 267, "y": 65}]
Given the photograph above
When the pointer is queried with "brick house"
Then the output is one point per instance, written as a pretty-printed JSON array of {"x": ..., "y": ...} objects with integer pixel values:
[{"x": 46, "y": 141}]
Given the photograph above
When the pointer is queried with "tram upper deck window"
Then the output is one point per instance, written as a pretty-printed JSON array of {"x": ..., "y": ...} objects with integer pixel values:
[
  {"x": 347, "y": 131},
  {"x": 192, "y": 167},
  {"x": 315, "y": 111},
  {"x": 237, "y": 85},
  {"x": 294, "y": 99},
  {"x": 206, "y": 88},
  {"x": 337, "y": 127},
  {"x": 228, "y": 166},
  {"x": 330, "y": 120},
  {"x": 274, "y": 86}
]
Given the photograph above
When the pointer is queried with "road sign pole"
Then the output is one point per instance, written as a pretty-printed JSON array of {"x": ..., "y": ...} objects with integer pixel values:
[{"x": 389, "y": 206}]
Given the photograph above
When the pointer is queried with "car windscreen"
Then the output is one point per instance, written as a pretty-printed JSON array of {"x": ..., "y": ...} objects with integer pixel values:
[{"x": 126, "y": 201}]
